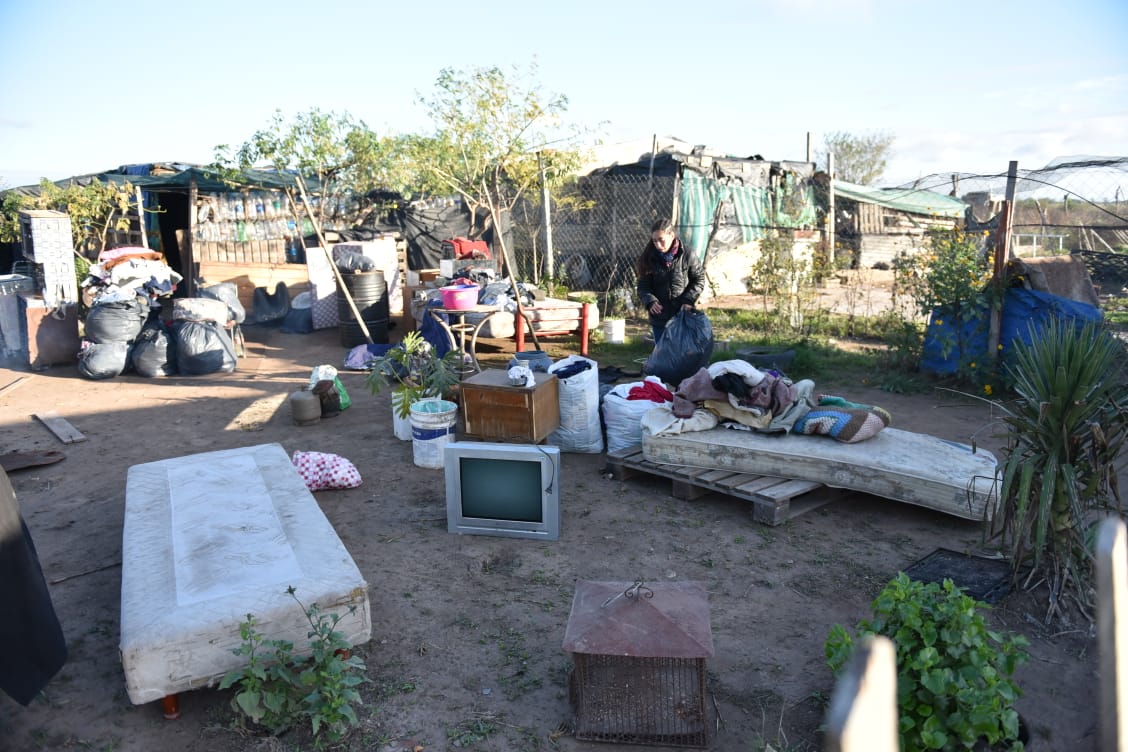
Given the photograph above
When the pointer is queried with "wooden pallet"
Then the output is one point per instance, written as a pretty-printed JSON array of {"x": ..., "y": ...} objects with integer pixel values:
[{"x": 774, "y": 500}]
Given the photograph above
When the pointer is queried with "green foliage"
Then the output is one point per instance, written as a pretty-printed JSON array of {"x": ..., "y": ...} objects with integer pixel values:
[
  {"x": 952, "y": 282},
  {"x": 1067, "y": 427},
  {"x": 470, "y": 733},
  {"x": 953, "y": 673},
  {"x": 783, "y": 280},
  {"x": 338, "y": 156},
  {"x": 857, "y": 159},
  {"x": 413, "y": 371},
  {"x": 279, "y": 690},
  {"x": 496, "y": 135},
  {"x": 94, "y": 210}
]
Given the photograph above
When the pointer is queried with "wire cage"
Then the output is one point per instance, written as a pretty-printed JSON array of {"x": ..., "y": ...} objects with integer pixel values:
[{"x": 638, "y": 655}]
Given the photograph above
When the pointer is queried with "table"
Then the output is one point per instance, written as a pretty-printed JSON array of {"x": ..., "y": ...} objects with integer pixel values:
[
  {"x": 208, "y": 538},
  {"x": 461, "y": 328}
]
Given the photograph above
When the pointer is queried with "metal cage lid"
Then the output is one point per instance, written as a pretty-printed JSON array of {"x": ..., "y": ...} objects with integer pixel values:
[{"x": 642, "y": 620}]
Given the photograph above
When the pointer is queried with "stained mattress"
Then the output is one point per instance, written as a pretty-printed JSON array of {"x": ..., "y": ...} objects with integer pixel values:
[
  {"x": 209, "y": 538},
  {"x": 914, "y": 468}
]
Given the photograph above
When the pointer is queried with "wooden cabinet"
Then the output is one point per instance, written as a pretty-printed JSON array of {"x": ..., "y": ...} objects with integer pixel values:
[{"x": 494, "y": 410}]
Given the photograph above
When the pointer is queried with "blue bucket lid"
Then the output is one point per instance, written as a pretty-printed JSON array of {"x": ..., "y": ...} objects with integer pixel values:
[{"x": 432, "y": 406}]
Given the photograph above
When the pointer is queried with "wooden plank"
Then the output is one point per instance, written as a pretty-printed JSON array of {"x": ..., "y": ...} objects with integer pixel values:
[
  {"x": 788, "y": 489},
  {"x": 774, "y": 500},
  {"x": 59, "y": 426}
]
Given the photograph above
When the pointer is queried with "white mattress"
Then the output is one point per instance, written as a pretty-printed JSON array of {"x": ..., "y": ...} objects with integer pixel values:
[
  {"x": 915, "y": 468},
  {"x": 209, "y": 538}
]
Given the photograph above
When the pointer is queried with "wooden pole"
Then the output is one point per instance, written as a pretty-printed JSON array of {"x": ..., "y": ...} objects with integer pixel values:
[
  {"x": 1002, "y": 256},
  {"x": 188, "y": 252},
  {"x": 141, "y": 217},
  {"x": 830, "y": 220},
  {"x": 863, "y": 715},
  {"x": 341, "y": 288}
]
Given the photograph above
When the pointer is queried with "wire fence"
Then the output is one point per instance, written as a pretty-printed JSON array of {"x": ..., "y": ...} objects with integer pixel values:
[{"x": 600, "y": 224}]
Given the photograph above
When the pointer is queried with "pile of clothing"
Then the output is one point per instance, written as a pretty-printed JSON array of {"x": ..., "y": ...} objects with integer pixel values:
[{"x": 742, "y": 396}]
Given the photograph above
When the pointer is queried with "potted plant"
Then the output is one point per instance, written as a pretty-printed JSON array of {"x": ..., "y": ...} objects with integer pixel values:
[
  {"x": 413, "y": 371},
  {"x": 954, "y": 689}
]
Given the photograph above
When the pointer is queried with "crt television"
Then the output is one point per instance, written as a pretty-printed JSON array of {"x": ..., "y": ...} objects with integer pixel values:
[{"x": 511, "y": 490}]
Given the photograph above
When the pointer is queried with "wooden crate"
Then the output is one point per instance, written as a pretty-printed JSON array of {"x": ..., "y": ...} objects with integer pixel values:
[
  {"x": 774, "y": 500},
  {"x": 495, "y": 411}
]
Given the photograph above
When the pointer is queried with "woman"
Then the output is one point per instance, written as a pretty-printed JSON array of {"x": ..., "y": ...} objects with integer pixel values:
[{"x": 670, "y": 278}]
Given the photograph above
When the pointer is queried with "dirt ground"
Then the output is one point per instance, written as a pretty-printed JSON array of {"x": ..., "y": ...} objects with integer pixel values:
[{"x": 467, "y": 630}]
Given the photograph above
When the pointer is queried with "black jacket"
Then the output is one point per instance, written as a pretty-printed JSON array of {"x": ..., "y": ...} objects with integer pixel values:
[{"x": 673, "y": 287}]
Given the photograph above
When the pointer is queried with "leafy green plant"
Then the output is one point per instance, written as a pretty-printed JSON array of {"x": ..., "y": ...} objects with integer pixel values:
[
  {"x": 279, "y": 690},
  {"x": 1066, "y": 428},
  {"x": 953, "y": 673},
  {"x": 951, "y": 283},
  {"x": 413, "y": 372}
]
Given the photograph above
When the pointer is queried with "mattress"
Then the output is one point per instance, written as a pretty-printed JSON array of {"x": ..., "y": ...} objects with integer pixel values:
[
  {"x": 914, "y": 468},
  {"x": 209, "y": 538}
]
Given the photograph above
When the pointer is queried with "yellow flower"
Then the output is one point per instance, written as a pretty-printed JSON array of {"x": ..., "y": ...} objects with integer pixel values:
[
  {"x": 987, "y": 389},
  {"x": 938, "y": 322},
  {"x": 1000, "y": 346},
  {"x": 972, "y": 365}
]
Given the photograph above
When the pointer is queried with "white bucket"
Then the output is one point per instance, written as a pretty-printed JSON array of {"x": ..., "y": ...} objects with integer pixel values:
[
  {"x": 615, "y": 331},
  {"x": 432, "y": 428}
]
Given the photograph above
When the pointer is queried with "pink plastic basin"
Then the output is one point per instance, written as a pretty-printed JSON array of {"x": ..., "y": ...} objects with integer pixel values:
[{"x": 459, "y": 296}]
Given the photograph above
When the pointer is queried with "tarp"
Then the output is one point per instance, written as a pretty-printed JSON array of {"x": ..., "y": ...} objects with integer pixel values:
[
  {"x": 1026, "y": 313},
  {"x": 913, "y": 201},
  {"x": 208, "y": 181}
]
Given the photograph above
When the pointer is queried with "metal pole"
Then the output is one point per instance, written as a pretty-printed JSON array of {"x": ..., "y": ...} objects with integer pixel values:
[{"x": 546, "y": 202}]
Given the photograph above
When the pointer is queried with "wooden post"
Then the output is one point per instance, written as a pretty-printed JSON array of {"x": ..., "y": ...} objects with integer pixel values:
[
  {"x": 1002, "y": 255},
  {"x": 830, "y": 220},
  {"x": 341, "y": 288},
  {"x": 1112, "y": 633},
  {"x": 188, "y": 250},
  {"x": 141, "y": 216},
  {"x": 863, "y": 715}
]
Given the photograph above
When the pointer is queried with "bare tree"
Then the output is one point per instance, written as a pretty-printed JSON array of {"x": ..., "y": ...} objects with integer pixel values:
[{"x": 857, "y": 158}]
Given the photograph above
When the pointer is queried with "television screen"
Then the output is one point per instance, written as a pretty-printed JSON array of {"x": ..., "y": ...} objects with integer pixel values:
[{"x": 503, "y": 489}]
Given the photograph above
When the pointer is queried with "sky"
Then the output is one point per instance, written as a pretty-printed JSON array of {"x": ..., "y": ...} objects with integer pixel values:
[{"x": 963, "y": 87}]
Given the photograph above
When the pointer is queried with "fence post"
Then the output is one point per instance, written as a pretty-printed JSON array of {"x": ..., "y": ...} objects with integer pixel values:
[
  {"x": 1112, "y": 623},
  {"x": 549, "y": 260},
  {"x": 830, "y": 228},
  {"x": 863, "y": 715},
  {"x": 1002, "y": 255}
]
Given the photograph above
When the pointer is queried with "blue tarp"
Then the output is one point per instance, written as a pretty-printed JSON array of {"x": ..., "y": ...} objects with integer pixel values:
[{"x": 1026, "y": 313}]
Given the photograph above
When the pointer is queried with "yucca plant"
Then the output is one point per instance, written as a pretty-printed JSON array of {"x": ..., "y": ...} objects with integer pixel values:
[{"x": 1066, "y": 429}]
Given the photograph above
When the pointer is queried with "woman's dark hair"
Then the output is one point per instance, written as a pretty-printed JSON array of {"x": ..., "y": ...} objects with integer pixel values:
[{"x": 648, "y": 258}]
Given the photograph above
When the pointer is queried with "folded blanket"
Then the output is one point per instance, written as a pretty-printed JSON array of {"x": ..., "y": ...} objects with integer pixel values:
[{"x": 840, "y": 419}]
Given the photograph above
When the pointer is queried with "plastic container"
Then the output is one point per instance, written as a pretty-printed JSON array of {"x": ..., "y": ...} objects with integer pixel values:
[
  {"x": 432, "y": 428},
  {"x": 459, "y": 297},
  {"x": 615, "y": 331}
]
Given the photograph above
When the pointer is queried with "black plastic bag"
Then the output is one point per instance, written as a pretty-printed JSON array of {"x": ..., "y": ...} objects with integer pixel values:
[
  {"x": 203, "y": 347},
  {"x": 685, "y": 348},
  {"x": 119, "y": 321},
  {"x": 271, "y": 308},
  {"x": 352, "y": 261},
  {"x": 228, "y": 292},
  {"x": 154, "y": 351},
  {"x": 103, "y": 360}
]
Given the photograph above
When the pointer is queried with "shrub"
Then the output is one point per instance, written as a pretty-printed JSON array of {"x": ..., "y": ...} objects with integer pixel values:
[
  {"x": 278, "y": 690},
  {"x": 953, "y": 673}
]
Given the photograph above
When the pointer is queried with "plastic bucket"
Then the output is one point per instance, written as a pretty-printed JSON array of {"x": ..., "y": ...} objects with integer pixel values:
[
  {"x": 459, "y": 297},
  {"x": 432, "y": 428},
  {"x": 615, "y": 331}
]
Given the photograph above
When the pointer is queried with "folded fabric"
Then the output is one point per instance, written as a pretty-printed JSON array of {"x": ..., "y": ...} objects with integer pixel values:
[
  {"x": 846, "y": 424},
  {"x": 661, "y": 421},
  {"x": 650, "y": 391},
  {"x": 830, "y": 400},
  {"x": 697, "y": 388},
  {"x": 321, "y": 471}
]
